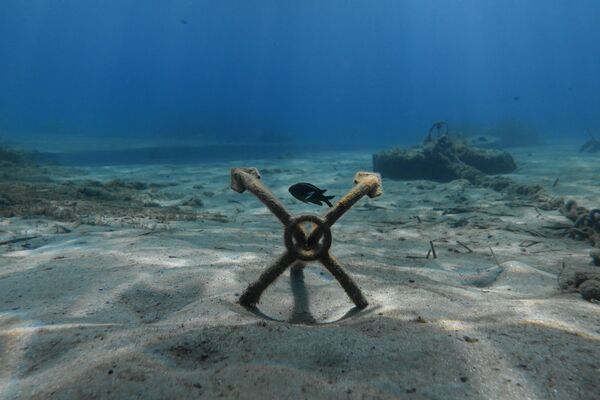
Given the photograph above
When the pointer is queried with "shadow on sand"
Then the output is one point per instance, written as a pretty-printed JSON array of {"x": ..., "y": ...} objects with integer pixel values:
[{"x": 301, "y": 313}]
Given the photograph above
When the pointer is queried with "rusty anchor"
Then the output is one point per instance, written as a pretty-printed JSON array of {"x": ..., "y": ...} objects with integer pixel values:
[{"x": 301, "y": 245}]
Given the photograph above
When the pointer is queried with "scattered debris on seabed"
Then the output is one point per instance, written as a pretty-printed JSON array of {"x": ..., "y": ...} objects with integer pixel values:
[{"x": 448, "y": 158}]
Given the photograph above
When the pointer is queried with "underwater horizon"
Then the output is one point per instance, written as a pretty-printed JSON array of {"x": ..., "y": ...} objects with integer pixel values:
[{"x": 89, "y": 75}]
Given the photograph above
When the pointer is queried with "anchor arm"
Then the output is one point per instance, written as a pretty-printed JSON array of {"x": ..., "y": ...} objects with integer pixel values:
[
  {"x": 351, "y": 289},
  {"x": 249, "y": 179},
  {"x": 366, "y": 183},
  {"x": 243, "y": 179}
]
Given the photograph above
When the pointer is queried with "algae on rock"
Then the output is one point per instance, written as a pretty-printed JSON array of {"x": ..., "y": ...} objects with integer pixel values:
[{"x": 442, "y": 159}]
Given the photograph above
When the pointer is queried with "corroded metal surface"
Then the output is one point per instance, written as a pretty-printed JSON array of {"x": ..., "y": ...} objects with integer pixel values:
[{"x": 300, "y": 244}]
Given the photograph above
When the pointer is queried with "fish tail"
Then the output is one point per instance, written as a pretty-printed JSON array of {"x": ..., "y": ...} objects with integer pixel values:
[{"x": 326, "y": 200}]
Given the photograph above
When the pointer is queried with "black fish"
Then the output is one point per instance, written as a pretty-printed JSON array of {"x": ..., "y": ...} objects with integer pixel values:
[
  {"x": 516, "y": 98},
  {"x": 183, "y": 21},
  {"x": 310, "y": 193}
]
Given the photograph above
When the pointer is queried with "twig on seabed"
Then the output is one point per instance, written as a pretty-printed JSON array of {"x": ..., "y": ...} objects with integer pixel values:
[
  {"x": 529, "y": 243},
  {"x": 559, "y": 275},
  {"x": 432, "y": 249},
  {"x": 494, "y": 255},
  {"x": 464, "y": 245},
  {"x": 17, "y": 240},
  {"x": 543, "y": 251}
]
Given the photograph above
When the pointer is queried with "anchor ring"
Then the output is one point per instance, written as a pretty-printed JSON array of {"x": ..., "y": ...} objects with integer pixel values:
[{"x": 315, "y": 251}]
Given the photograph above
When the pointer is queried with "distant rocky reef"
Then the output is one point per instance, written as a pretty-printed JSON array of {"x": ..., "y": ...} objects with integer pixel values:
[{"x": 591, "y": 146}]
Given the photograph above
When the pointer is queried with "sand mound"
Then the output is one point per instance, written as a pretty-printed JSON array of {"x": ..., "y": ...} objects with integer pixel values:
[{"x": 524, "y": 279}]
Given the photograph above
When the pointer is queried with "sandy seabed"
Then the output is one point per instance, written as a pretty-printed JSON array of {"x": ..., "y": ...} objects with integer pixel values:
[{"x": 121, "y": 310}]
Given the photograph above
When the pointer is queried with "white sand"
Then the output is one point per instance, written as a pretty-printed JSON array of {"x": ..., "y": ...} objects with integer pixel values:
[{"x": 116, "y": 312}]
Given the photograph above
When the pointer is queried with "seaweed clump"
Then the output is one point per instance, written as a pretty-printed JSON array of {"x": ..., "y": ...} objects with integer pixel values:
[
  {"x": 585, "y": 281},
  {"x": 586, "y": 224}
]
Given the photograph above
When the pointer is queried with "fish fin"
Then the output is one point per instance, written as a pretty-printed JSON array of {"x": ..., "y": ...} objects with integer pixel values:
[
  {"x": 310, "y": 194},
  {"x": 322, "y": 191},
  {"x": 319, "y": 203}
]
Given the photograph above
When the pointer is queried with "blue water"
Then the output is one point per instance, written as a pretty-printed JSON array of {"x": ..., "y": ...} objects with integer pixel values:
[{"x": 317, "y": 72}]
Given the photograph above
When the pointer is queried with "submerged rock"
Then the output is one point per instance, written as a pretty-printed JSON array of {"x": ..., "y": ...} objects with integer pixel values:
[
  {"x": 590, "y": 290},
  {"x": 446, "y": 158},
  {"x": 584, "y": 280},
  {"x": 591, "y": 146},
  {"x": 441, "y": 159}
]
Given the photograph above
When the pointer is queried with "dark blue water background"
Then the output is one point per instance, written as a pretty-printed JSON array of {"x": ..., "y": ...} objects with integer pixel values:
[{"x": 318, "y": 72}]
